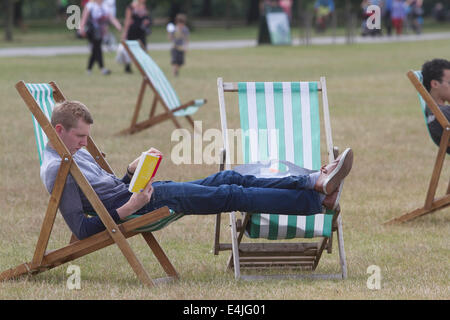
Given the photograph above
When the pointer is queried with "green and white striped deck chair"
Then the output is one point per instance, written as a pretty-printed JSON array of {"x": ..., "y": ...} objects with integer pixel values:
[
  {"x": 432, "y": 203},
  {"x": 162, "y": 89},
  {"x": 279, "y": 120},
  {"x": 40, "y": 99}
]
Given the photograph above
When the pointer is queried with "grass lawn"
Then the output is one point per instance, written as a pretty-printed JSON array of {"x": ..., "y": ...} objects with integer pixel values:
[{"x": 374, "y": 109}]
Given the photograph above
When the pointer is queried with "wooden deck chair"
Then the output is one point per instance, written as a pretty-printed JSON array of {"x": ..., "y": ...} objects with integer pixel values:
[
  {"x": 432, "y": 203},
  {"x": 163, "y": 92},
  {"x": 40, "y": 99},
  {"x": 279, "y": 120}
]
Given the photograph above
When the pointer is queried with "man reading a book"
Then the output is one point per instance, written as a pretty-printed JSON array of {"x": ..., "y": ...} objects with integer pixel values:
[{"x": 221, "y": 192}]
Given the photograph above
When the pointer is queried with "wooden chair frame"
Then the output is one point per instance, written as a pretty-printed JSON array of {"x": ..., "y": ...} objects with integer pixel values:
[
  {"x": 114, "y": 234},
  {"x": 303, "y": 255},
  {"x": 153, "y": 119},
  {"x": 432, "y": 203}
]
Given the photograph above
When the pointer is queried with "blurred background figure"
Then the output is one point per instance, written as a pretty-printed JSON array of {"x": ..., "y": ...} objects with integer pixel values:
[
  {"x": 94, "y": 21},
  {"x": 180, "y": 39},
  {"x": 398, "y": 15},
  {"x": 109, "y": 40},
  {"x": 137, "y": 25},
  {"x": 387, "y": 12},
  {"x": 415, "y": 15},
  {"x": 265, "y": 7},
  {"x": 286, "y": 5},
  {"x": 18, "y": 16},
  {"x": 62, "y": 7},
  {"x": 323, "y": 10},
  {"x": 440, "y": 14}
]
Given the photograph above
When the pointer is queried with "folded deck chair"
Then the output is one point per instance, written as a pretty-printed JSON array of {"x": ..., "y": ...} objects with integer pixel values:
[
  {"x": 432, "y": 203},
  {"x": 279, "y": 120},
  {"x": 40, "y": 99},
  {"x": 162, "y": 90}
]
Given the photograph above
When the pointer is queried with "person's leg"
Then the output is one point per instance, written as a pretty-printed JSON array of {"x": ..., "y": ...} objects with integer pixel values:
[
  {"x": 191, "y": 198},
  {"x": 91, "y": 57},
  {"x": 97, "y": 52},
  {"x": 247, "y": 181},
  {"x": 325, "y": 181}
]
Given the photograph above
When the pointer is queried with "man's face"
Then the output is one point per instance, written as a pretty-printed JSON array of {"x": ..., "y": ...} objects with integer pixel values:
[
  {"x": 74, "y": 138},
  {"x": 441, "y": 90}
]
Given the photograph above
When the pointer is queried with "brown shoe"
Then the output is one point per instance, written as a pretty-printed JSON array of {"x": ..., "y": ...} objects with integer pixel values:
[
  {"x": 331, "y": 201},
  {"x": 333, "y": 173}
]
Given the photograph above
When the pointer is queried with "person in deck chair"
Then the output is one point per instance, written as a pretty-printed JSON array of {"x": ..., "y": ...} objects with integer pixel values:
[{"x": 224, "y": 191}]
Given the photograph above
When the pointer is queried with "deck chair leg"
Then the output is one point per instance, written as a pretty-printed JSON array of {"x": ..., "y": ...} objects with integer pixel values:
[
  {"x": 217, "y": 234},
  {"x": 52, "y": 209},
  {"x": 160, "y": 254},
  {"x": 153, "y": 109},
  {"x": 321, "y": 246},
  {"x": 138, "y": 106},
  {"x": 174, "y": 120},
  {"x": 431, "y": 203},
  {"x": 437, "y": 169},
  {"x": 235, "y": 247},
  {"x": 340, "y": 238}
]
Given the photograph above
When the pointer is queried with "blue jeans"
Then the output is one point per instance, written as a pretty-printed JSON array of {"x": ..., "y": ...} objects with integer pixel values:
[{"x": 228, "y": 191}]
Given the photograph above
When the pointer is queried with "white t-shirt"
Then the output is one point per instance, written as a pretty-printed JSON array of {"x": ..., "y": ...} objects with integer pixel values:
[{"x": 97, "y": 11}]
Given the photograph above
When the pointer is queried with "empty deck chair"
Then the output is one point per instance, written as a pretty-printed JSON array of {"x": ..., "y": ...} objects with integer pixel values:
[{"x": 163, "y": 92}]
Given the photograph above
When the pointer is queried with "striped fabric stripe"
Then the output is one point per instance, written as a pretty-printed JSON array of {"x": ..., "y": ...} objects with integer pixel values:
[
  {"x": 43, "y": 94},
  {"x": 280, "y": 120},
  {"x": 159, "y": 80},
  {"x": 158, "y": 225},
  {"x": 423, "y": 104}
]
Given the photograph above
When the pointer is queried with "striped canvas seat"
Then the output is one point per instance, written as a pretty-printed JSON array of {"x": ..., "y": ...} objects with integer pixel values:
[
  {"x": 423, "y": 104},
  {"x": 280, "y": 120},
  {"x": 160, "y": 82},
  {"x": 43, "y": 94}
]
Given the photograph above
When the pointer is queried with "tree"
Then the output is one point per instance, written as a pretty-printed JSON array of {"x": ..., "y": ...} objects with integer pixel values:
[{"x": 9, "y": 16}]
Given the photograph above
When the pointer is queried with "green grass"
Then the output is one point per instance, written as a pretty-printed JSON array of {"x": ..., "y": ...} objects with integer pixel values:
[{"x": 374, "y": 109}]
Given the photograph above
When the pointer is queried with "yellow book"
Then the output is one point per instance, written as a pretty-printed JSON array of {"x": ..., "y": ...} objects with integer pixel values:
[{"x": 145, "y": 170}]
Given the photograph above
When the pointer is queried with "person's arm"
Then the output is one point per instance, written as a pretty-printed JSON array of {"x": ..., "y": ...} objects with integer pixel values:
[
  {"x": 186, "y": 40},
  {"x": 136, "y": 202},
  {"x": 115, "y": 22},
  {"x": 84, "y": 18},
  {"x": 126, "y": 24}
]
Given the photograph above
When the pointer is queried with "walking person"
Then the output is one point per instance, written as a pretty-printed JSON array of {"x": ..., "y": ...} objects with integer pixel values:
[
  {"x": 398, "y": 15},
  {"x": 93, "y": 24},
  {"x": 137, "y": 25},
  {"x": 180, "y": 38}
]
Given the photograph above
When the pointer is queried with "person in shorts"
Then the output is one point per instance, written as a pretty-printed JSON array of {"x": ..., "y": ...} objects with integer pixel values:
[{"x": 180, "y": 38}]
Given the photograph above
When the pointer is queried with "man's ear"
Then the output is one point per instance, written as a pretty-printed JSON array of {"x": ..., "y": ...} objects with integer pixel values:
[
  {"x": 434, "y": 84},
  {"x": 59, "y": 128}
]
